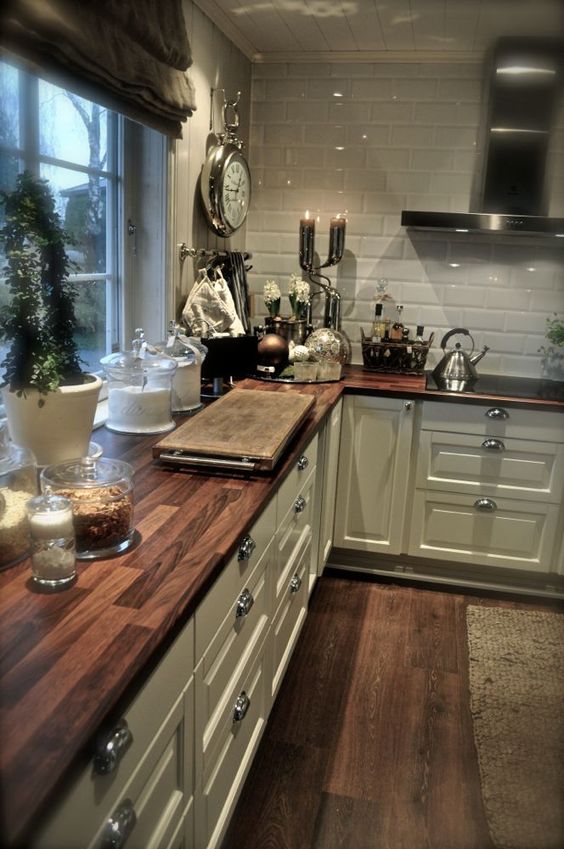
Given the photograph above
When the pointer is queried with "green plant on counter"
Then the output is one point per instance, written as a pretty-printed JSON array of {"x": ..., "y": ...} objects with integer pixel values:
[
  {"x": 553, "y": 354},
  {"x": 555, "y": 330},
  {"x": 39, "y": 319}
]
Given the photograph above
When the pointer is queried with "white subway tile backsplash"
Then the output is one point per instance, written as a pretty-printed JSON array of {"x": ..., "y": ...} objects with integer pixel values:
[
  {"x": 371, "y": 89},
  {"x": 462, "y": 296},
  {"x": 414, "y": 90},
  {"x": 306, "y": 111},
  {"x": 358, "y": 180},
  {"x": 412, "y": 137},
  {"x": 320, "y": 88},
  {"x": 391, "y": 113},
  {"x": 460, "y": 90},
  {"x": 284, "y": 89},
  {"x": 458, "y": 138},
  {"x": 403, "y": 136},
  {"x": 431, "y": 160},
  {"x": 502, "y": 299}
]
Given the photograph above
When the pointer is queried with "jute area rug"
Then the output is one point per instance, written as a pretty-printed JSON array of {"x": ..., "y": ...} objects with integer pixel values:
[{"x": 517, "y": 703}]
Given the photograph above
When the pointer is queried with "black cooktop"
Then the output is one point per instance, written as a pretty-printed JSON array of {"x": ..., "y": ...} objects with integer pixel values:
[{"x": 507, "y": 387}]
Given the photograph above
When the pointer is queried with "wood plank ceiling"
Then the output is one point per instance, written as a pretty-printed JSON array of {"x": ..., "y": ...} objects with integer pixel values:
[{"x": 275, "y": 30}]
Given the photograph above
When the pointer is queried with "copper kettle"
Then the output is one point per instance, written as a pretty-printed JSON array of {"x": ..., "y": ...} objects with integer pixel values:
[{"x": 456, "y": 369}]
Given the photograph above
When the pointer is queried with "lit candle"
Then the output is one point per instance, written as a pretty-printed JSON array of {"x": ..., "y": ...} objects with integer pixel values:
[
  {"x": 307, "y": 242},
  {"x": 53, "y": 541},
  {"x": 54, "y": 524},
  {"x": 336, "y": 239}
]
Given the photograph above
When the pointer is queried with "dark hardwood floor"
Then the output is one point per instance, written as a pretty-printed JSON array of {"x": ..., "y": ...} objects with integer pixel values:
[{"x": 369, "y": 744}]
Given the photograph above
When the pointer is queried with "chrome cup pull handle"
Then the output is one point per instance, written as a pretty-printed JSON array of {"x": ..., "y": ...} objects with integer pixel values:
[
  {"x": 244, "y": 603},
  {"x": 303, "y": 463},
  {"x": 119, "y": 826},
  {"x": 246, "y": 548},
  {"x": 242, "y": 704},
  {"x": 295, "y": 584},
  {"x": 299, "y": 504},
  {"x": 111, "y": 748},
  {"x": 486, "y": 505},
  {"x": 497, "y": 413},
  {"x": 493, "y": 445}
]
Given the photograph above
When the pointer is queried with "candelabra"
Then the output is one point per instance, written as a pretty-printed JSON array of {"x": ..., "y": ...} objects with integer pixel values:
[{"x": 332, "y": 312}]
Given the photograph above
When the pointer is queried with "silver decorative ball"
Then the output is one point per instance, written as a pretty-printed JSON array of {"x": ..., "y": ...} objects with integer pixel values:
[{"x": 328, "y": 345}]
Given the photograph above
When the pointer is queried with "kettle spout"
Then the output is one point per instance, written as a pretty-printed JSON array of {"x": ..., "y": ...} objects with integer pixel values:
[{"x": 475, "y": 358}]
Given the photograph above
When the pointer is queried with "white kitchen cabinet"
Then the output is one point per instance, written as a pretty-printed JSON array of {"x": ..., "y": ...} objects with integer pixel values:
[
  {"x": 489, "y": 486},
  {"x": 148, "y": 793},
  {"x": 325, "y": 490},
  {"x": 373, "y": 477}
]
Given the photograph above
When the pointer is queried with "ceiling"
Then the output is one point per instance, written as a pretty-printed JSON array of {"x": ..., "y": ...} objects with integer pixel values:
[{"x": 307, "y": 30}]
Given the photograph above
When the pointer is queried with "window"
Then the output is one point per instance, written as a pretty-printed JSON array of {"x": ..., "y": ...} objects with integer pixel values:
[{"x": 94, "y": 160}]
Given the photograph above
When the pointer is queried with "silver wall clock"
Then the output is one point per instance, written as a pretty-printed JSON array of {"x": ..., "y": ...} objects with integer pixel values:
[{"x": 225, "y": 181}]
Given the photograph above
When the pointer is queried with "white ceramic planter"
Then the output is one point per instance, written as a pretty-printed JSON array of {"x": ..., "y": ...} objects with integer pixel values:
[{"x": 58, "y": 430}]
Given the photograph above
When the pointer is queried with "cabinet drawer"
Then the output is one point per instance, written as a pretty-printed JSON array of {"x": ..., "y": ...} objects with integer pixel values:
[
  {"x": 516, "y": 535},
  {"x": 155, "y": 798},
  {"x": 236, "y": 639},
  {"x": 294, "y": 530},
  {"x": 511, "y": 467},
  {"x": 474, "y": 418},
  {"x": 227, "y": 753},
  {"x": 222, "y": 597},
  {"x": 93, "y": 796},
  {"x": 303, "y": 468},
  {"x": 289, "y": 618}
]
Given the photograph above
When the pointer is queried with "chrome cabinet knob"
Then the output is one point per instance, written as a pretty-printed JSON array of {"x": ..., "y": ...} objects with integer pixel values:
[
  {"x": 497, "y": 413},
  {"x": 111, "y": 748},
  {"x": 493, "y": 445},
  {"x": 246, "y": 548},
  {"x": 242, "y": 704},
  {"x": 119, "y": 826},
  {"x": 303, "y": 463},
  {"x": 244, "y": 603},
  {"x": 408, "y": 405},
  {"x": 295, "y": 584},
  {"x": 486, "y": 505},
  {"x": 299, "y": 504}
]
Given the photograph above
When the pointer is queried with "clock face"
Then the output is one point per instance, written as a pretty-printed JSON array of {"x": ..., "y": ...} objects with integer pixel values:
[{"x": 235, "y": 192}]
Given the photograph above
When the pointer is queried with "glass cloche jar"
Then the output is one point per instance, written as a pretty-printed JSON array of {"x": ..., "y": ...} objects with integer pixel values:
[
  {"x": 18, "y": 483},
  {"x": 139, "y": 389},
  {"x": 101, "y": 493}
]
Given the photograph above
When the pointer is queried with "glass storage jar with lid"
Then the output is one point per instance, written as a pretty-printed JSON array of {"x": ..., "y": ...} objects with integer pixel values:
[
  {"x": 188, "y": 354},
  {"x": 101, "y": 493},
  {"x": 18, "y": 483},
  {"x": 139, "y": 389}
]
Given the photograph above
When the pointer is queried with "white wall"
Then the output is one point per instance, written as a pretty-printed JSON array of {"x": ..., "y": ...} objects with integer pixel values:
[
  {"x": 217, "y": 64},
  {"x": 401, "y": 136}
]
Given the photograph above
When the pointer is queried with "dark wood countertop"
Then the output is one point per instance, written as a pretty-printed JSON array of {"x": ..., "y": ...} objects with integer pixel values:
[{"x": 71, "y": 659}]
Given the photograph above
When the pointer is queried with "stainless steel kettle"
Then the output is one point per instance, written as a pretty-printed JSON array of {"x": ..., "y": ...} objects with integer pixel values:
[{"x": 456, "y": 369}]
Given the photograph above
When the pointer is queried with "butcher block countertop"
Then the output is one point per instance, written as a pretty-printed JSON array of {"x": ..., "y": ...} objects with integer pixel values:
[{"x": 70, "y": 660}]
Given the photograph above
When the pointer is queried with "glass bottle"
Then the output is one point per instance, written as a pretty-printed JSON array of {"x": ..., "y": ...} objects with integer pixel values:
[
  {"x": 419, "y": 334},
  {"x": 378, "y": 325},
  {"x": 396, "y": 332}
]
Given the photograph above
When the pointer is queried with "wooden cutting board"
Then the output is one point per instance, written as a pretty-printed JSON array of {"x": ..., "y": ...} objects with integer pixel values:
[{"x": 243, "y": 430}]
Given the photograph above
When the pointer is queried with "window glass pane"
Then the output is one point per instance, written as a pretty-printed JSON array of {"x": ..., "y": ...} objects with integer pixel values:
[
  {"x": 9, "y": 126},
  {"x": 71, "y": 128},
  {"x": 90, "y": 311},
  {"x": 80, "y": 200}
]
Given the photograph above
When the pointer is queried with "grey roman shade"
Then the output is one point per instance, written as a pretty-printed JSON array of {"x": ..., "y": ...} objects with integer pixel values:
[{"x": 128, "y": 55}]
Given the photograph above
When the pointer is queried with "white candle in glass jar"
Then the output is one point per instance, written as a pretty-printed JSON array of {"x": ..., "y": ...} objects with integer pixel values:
[{"x": 55, "y": 524}]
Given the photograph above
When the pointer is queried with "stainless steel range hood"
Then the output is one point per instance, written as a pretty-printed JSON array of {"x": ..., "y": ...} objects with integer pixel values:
[{"x": 525, "y": 79}]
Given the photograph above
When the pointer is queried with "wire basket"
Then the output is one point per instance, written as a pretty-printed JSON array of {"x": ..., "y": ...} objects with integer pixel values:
[{"x": 394, "y": 357}]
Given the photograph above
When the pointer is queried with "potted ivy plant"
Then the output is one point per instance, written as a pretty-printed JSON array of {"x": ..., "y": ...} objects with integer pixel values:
[
  {"x": 50, "y": 402},
  {"x": 553, "y": 353}
]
